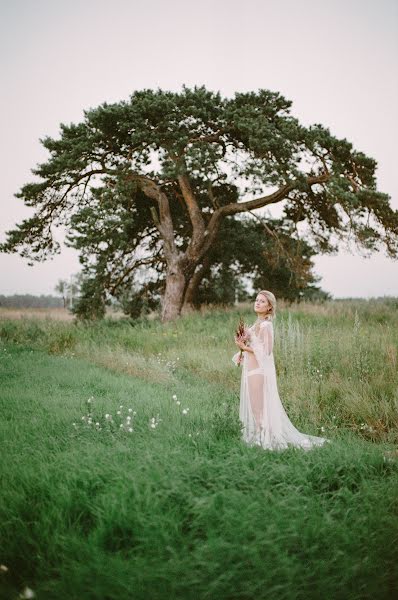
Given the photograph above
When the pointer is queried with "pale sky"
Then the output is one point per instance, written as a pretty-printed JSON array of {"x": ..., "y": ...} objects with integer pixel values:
[{"x": 336, "y": 61}]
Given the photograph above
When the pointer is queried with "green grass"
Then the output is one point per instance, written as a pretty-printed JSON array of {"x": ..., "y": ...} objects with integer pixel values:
[{"x": 186, "y": 510}]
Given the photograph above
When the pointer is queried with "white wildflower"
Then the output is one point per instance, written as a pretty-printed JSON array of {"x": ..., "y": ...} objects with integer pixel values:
[
  {"x": 130, "y": 410},
  {"x": 134, "y": 413},
  {"x": 185, "y": 411},
  {"x": 174, "y": 396},
  {"x": 107, "y": 416},
  {"x": 27, "y": 593},
  {"x": 178, "y": 403},
  {"x": 121, "y": 406},
  {"x": 3, "y": 568},
  {"x": 118, "y": 412},
  {"x": 130, "y": 429},
  {"x": 121, "y": 425},
  {"x": 153, "y": 425},
  {"x": 97, "y": 424}
]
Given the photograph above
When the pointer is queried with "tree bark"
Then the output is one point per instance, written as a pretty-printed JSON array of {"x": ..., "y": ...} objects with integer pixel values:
[
  {"x": 193, "y": 285},
  {"x": 174, "y": 293}
]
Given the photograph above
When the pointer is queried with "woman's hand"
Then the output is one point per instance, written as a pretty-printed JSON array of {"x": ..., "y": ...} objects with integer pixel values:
[{"x": 241, "y": 345}]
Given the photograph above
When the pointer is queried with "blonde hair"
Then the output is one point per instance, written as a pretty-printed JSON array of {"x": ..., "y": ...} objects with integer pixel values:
[{"x": 272, "y": 301}]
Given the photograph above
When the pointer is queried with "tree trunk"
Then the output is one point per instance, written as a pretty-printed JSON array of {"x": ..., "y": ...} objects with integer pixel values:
[
  {"x": 174, "y": 293},
  {"x": 193, "y": 285},
  {"x": 188, "y": 304}
]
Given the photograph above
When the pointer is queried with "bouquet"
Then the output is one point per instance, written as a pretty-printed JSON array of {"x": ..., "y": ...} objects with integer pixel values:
[{"x": 242, "y": 334}]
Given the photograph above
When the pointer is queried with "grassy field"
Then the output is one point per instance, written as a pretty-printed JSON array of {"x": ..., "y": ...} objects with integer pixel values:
[{"x": 179, "y": 507}]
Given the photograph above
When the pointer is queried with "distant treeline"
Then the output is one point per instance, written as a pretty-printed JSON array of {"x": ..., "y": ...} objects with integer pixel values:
[{"x": 30, "y": 301}]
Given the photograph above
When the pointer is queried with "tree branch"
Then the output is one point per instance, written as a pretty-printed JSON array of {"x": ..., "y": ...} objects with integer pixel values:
[
  {"x": 164, "y": 223},
  {"x": 195, "y": 214},
  {"x": 237, "y": 207},
  {"x": 137, "y": 263}
]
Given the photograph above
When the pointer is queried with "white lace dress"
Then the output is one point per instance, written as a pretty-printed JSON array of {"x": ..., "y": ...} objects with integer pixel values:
[{"x": 265, "y": 421}]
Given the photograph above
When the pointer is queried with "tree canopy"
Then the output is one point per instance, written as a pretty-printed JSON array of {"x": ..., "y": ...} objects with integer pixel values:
[{"x": 149, "y": 181}]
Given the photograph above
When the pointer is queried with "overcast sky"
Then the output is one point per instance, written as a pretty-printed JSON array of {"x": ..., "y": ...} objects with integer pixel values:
[{"x": 336, "y": 61}]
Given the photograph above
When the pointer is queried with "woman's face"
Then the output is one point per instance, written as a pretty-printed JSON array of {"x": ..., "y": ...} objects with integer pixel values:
[{"x": 261, "y": 304}]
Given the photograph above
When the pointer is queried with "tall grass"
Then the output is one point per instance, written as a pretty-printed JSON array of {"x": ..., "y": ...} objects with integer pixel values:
[{"x": 185, "y": 510}]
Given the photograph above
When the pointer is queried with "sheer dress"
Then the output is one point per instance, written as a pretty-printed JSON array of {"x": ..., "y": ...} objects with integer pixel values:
[{"x": 261, "y": 412}]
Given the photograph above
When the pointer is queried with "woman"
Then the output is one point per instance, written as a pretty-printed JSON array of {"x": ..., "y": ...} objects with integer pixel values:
[{"x": 265, "y": 421}]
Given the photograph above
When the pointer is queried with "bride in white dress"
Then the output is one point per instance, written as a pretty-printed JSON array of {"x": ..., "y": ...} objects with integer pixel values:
[{"x": 265, "y": 421}]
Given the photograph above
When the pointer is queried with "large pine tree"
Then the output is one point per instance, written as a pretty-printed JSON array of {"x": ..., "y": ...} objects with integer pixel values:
[{"x": 149, "y": 181}]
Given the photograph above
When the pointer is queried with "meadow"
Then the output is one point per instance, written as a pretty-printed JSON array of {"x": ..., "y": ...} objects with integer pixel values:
[{"x": 124, "y": 476}]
